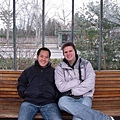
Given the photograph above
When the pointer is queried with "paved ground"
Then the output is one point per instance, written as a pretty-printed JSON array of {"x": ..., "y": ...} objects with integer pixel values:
[
  {"x": 56, "y": 53},
  {"x": 28, "y": 52}
]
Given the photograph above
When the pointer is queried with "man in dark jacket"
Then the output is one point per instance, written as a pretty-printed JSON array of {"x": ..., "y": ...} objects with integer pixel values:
[{"x": 36, "y": 86}]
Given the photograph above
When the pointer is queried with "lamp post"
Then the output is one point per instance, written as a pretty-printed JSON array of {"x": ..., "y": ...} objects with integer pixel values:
[
  {"x": 14, "y": 36},
  {"x": 72, "y": 31},
  {"x": 100, "y": 40},
  {"x": 43, "y": 23}
]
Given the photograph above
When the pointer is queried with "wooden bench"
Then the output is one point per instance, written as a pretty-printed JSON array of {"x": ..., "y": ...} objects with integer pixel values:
[{"x": 106, "y": 96}]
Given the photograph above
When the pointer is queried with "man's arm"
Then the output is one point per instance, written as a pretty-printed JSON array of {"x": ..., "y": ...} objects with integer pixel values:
[
  {"x": 88, "y": 84},
  {"x": 22, "y": 84},
  {"x": 61, "y": 83}
]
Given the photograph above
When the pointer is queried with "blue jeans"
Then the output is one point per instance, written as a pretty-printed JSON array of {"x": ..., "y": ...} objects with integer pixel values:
[
  {"x": 49, "y": 112},
  {"x": 86, "y": 101},
  {"x": 79, "y": 110}
]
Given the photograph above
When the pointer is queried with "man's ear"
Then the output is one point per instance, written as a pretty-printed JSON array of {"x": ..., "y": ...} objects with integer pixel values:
[{"x": 37, "y": 56}]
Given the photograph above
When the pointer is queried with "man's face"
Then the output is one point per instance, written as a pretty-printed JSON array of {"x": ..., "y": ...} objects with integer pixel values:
[
  {"x": 69, "y": 54},
  {"x": 43, "y": 58}
]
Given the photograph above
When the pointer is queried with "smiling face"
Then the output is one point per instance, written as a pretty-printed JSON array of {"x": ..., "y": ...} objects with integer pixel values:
[
  {"x": 69, "y": 54},
  {"x": 43, "y": 58}
]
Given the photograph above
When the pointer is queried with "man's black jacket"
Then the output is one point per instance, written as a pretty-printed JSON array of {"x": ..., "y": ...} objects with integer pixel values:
[{"x": 36, "y": 85}]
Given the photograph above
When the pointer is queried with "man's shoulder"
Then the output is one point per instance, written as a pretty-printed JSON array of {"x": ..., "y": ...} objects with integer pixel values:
[
  {"x": 62, "y": 64},
  {"x": 85, "y": 61},
  {"x": 51, "y": 68},
  {"x": 28, "y": 69}
]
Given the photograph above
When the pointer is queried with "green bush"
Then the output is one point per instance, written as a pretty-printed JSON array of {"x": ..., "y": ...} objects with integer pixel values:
[{"x": 22, "y": 63}]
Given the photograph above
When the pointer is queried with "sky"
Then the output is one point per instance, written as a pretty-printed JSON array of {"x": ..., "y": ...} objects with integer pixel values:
[
  {"x": 53, "y": 8},
  {"x": 66, "y": 4}
]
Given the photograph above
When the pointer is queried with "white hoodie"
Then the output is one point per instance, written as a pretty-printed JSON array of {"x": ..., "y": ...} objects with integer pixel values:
[{"x": 67, "y": 78}]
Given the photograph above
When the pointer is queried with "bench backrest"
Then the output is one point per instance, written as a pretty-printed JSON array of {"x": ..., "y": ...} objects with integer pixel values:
[
  {"x": 106, "y": 96},
  {"x": 107, "y": 92}
]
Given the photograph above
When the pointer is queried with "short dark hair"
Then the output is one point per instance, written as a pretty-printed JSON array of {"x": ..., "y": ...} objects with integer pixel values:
[
  {"x": 69, "y": 44},
  {"x": 44, "y": 48}
]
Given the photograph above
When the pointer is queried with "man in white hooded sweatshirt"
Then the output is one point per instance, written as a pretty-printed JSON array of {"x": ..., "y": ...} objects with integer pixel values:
[{"x": 75, "y": 79}]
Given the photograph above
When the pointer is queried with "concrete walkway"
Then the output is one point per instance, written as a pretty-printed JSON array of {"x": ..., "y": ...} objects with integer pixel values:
[
  {"x": 24, "y": 52},
  {"x": 56, "y": 54}
]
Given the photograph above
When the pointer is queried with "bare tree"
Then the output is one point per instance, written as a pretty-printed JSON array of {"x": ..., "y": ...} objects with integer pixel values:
[
  {"x": 29, "y": 18},
  {"x": 6, "y": 16}
]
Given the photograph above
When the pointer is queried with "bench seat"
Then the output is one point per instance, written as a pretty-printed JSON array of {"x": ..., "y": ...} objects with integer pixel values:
[{"x": 106, "y": 96}]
